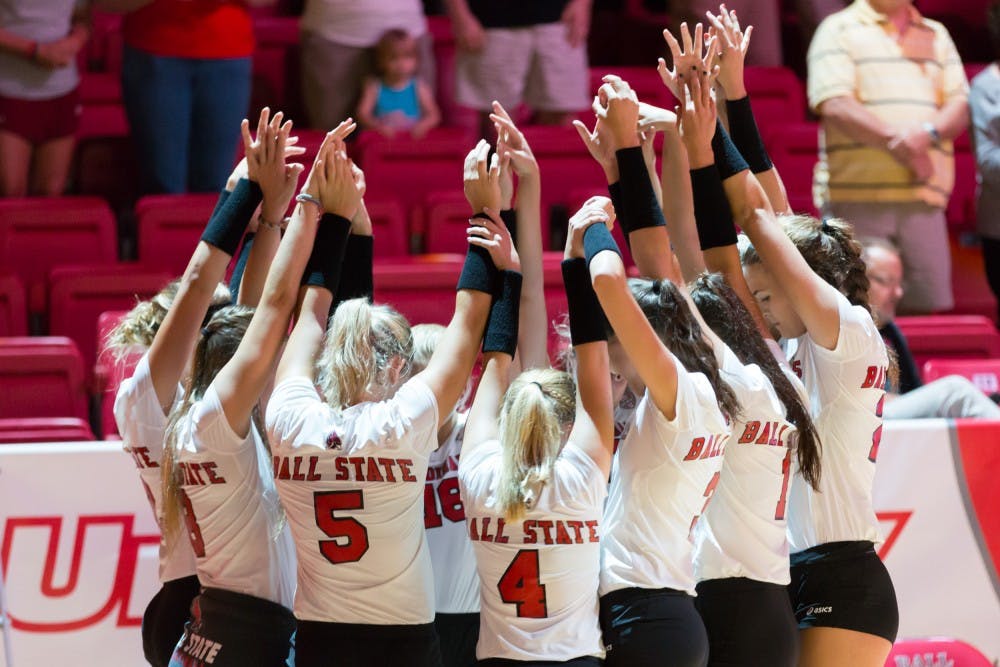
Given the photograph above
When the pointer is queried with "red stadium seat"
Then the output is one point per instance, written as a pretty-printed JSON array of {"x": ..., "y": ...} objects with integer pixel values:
[
  {"x": 422, "y": 288},
  {"x": 37, "y": 234},
  {"x": 777, "y": 94},
  {"x": 645, "y": 81},
  {"x": 950, "y": 337},
  {"x": 13, "y": 312},
  {"x": 100, "y": 88},
  {"x": 41, "y": 377},
  {"x": 968, "y": 281},
  {"x": 392, "y": 235},
  {"x": 50, "y": 429},
  {"x": 935, "y": 651},
  {"x": 169, "y": 228},
  {"x": 78, "y": 295},
  {"x": 794, "y": 149},
  {"x": 275, "y": 62},
  {"x": 446, "y": 219},
  {"x": 984, "y": 373}
]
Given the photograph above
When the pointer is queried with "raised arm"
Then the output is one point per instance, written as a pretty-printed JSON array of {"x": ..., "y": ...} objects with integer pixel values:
[
  {"x": 515, "y": 155},
  {"x": 450, "y": 366},
  {"x": 331, "y": 185},
  {"x": 178, "y": 334}
]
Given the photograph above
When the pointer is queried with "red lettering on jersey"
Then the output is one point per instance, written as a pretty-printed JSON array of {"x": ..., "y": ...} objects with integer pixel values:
[
  {"x": 451, "y": 499},
  {"x": 750, "y": 432},
  {"x": 797, "y": 367},
  {"x": 562, "y": 535},
  {"x": 298, "y": 475},
  {"x": 486, "y": 530},
  {"x": 357, "y": 462},
  {"x": 340, "y": 465},
  {"x": 312, "y": 475},
  {"x": 501, "y": 538},
  {"x": 546, "y": 527},
  {"x": 196, "y": 471},
  {"x": 431, "y": 517},
  {"x": 141, "y": 457},
  {"x": 528, "y": 528},
  {"x": 765, "y": 434},
  {"x": 473, "y": 532},
  {"x": 780, "y": 440},
  {"x": 577, "y": 526},
  {"x": 373, "y": 472},
  {"x": 875, "y": 377},
  {"x": 386, "y": 464},
  {"x": 592, "y": 531},
  {"x": 696, "y": 446},
  {"x": 209, "y": 468},
  {"x": 404, "y": 468}
]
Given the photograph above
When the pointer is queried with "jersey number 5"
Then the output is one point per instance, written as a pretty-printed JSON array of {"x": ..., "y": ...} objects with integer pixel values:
[
  {"x": 349, "y": 537},
  {"x": 520, "y": 586}
]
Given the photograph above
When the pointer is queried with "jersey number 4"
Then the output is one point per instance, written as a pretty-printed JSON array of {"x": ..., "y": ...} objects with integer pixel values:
[
  {"x": 348, "y": 537},
  {"x": 520, "y": 586}
]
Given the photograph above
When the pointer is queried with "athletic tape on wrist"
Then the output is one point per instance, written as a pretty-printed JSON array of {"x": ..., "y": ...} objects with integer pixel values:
[
  {"x": 637, "y": 192},
  {"x": 225, "y": 229},
  {"x": 728, "y": 159},
  {"x": 746, "y": 135},
  {"x": 327, "y": 258},
  {"x": 503, "y": 320},
  {"x": 586, "y": 318},
  {"x": 712, "y": 215},
  {"x": 597, "y": 239}
]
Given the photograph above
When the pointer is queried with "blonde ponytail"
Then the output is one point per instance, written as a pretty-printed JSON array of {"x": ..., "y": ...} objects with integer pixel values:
[{"x": 539, "y": 404}]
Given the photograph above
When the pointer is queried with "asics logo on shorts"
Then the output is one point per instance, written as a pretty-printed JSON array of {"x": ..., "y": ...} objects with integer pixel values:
[{"x": 812, "y": 611}]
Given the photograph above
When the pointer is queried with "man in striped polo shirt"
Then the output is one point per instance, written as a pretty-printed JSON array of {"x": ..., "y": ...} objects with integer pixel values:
[{"x": 891, "y": 92}]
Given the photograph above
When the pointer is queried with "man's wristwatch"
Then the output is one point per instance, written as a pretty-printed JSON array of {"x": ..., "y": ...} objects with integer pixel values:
[{"x": 932, "y": 131}]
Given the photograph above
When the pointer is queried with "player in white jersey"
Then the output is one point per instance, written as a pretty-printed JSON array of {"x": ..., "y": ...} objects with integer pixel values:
[
  {"x": 810, "y": 281},
  {"x": 168, "y": 325},
  {"x": 351, "y": 465},
  {"x": 216, "y": 467},
  {"x": 533, "y": 478}
]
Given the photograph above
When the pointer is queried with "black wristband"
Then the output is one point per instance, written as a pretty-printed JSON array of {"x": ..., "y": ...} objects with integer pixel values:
[
  {"x": 586, "y": 318},
  {"x": 478, "y": 273},
  {"x": 220, "y": 202},
  {"x": 597, "y": 239},
  {"x": 712, "y": 215},
  {"x": 356, "y": 277},
  {"x": 745, "y": 134},
  {"x": 728, "y": 159},
  {"x": 618, "y": 202},
  {"x": 502, "y": 323},
  {"x": 225, "y": 229},
  {"x": 327, "y": 257},
  {"x": 637, "y": 190},
  {"x": 241, "y": 264},
  {"x": 509, "y": 217}
]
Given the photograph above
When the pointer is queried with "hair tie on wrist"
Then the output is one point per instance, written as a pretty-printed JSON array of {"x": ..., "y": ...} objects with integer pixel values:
[{"x": 306, "y": 197}]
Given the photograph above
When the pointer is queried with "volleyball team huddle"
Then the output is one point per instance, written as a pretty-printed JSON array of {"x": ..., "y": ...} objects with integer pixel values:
[{"x": 692, "y": 486}]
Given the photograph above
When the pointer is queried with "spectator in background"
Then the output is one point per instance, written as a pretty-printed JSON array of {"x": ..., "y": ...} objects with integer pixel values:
[
  {"x": 984, "y": 104},
  {"x": 531, "y": 52},
  {"x": 953, "y": 396},
  {"x": 186, "y": 86},
  {"x": 39, "y": 111},
  {"x": 337, "y": 54},
  {"x": 395, "y": 100},
  {"x": 891, "y": 93}
]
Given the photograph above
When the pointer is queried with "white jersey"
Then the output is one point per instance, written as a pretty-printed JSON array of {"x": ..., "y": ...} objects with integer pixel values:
[
  {"x": 663, "y": 475},
  {"x": 352, "y": 483},
  {"x": 456, "y": 583},
  {"x": 742, "y": 532},
  {"x": 231, "y": 509},
  {"x": 846, "y": 394},
  {"x": 143, "y": 427},
  {"x": 539, "y": 574}
]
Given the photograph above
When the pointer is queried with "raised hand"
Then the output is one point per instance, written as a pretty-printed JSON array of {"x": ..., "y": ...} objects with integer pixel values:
[
  {"x": 598, "y": 141},
  {"x": 693, "y": 56},
  {"x": 492, "y": 234},
  {"x": 654, "y": 119},
  {"x": 697, "y": 114},
  {"x": 481, "y": 182},
  {"x": 620, "y": 112},
  {"x": 733, "y": 43},
  {"x": 594, "y": 211},
  {"x": 339, "y": 189},
  {"x": 511, "y": 143}
]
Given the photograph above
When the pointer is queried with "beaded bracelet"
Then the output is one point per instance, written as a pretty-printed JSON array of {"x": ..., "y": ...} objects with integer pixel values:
[{"x": 277, "y": 226}]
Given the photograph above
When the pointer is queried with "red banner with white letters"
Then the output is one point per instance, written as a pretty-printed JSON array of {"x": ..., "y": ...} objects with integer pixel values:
[{"x": 79, "y": 544}]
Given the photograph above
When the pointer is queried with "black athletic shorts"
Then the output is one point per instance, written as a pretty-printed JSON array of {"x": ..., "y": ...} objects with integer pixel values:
[
  {"x": 585, "y": 661},
  {"x": 230, "y": 629},
  {"x": 319, "y": 644},
  {"x": 164, "y": 619},
  {"x": 656, "y": 627},
  {"x": 458, "y": 634},
  {"x": 843, "y": 585},
  {"x": 749, "y": 623}
]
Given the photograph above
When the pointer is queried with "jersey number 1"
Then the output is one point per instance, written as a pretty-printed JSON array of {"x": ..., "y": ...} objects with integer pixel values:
[
  {"x": 349, "y": 536},
  {"x": 786, "y": 471},
  {"x": 520, "y": 586}
]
